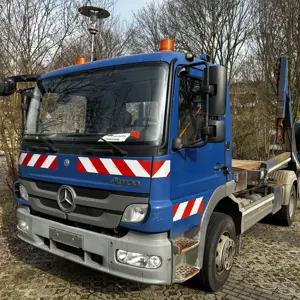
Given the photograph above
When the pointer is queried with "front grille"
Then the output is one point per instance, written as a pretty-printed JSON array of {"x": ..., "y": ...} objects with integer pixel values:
[
  {"x": 48, "y": 203},
  {"x": 90, "y": 209},
  {"x": 80, "y": 209},
  {"x": 83, "y": 191}
]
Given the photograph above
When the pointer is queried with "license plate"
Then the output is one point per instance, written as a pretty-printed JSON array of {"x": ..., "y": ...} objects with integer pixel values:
[{"x": 65, "y": 237}]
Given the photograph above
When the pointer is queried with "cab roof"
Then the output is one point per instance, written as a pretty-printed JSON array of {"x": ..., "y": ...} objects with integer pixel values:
[{"x": 167, "y": 56}]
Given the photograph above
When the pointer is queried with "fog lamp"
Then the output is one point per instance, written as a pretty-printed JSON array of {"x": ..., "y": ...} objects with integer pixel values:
[
  {"x": 23, "y": 225},
  {"x": 138, "y": 259}
]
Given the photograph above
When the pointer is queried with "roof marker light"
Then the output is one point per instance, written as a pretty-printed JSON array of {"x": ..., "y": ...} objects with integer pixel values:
[
  {"x": 166, "y": 45},
  {"x": 81, "y": 60}
]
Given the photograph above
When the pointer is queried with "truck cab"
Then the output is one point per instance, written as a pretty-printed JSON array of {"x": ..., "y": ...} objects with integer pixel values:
[{"x": 126, "y": 167}]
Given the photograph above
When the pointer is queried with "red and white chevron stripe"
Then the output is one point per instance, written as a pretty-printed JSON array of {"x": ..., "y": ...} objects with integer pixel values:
[
  {"x": 187, "y": 208},
  {"x": 124, "y": 167},
  {"x": 161, "y": 168},
  {"x": 43, "y": 161}
]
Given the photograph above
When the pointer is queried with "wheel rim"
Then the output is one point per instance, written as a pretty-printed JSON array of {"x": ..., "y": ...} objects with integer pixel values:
[
  {"x": 225, "y": 253},
  {"x": 291, "y": 205}
]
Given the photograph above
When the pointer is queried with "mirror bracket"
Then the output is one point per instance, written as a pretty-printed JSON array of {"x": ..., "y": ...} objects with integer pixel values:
[
  {"x": 24, "y": 106},
  {"x": 216, "y": 131},
  {"x": 209, "y": 89},
  {"x": 210, "y": 131},
  {"x": 177, "y": 143}
]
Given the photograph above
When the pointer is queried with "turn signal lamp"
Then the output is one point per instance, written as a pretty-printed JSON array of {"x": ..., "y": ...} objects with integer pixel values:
[
  {"x": 166, "y": 45},
  {"x": 81, "y": 60}
]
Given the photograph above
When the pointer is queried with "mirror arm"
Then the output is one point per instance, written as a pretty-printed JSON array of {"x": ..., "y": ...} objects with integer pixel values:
[
  {"x": 23, "y": 112},
  {"x": 195, "y": 145}
]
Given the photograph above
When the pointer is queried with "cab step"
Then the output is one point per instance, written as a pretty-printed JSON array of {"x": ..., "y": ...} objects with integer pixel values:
[
  {"x": 185, "y": 244},
  {"x": 185, "y": 272}
]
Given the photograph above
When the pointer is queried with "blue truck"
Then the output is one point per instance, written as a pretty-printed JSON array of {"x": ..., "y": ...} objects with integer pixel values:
[{"x": 126, "y": 167}]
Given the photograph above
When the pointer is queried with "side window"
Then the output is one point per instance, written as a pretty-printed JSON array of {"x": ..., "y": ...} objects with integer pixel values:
[{"x": 189, "y": 91}]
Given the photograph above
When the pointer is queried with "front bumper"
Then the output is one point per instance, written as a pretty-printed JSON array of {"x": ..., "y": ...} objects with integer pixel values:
[{"x": 104, "y": 246}]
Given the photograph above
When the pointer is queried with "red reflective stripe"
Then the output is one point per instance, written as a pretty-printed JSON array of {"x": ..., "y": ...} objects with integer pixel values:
[
  {"x": 53, "y": 165},
  {"x": 175, "y": 207},
  {"x": 188, "y": 208},
  {"x": 201, "y": 206},
  {"x": 120, "y": 164},
  {"x": 27, "y": 159},
  {"x": 40, "y": 161},
  {"x": 123, "y": 168},
  {"x": 80, "y": 167},
  {"x": 97, "y": 163},
  {"x": 156, "y": 166},
  {"x": 146, "y": 164}
]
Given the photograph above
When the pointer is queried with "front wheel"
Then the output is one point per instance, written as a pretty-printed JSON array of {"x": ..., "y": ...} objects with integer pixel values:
[{"x": 219, "y": 252}]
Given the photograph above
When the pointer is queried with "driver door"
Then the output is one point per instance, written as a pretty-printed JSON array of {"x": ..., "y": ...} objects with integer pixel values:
[{"x": 192, "y": 169}]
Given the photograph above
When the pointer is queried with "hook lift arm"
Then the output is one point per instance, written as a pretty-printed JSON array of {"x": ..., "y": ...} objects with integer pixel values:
[{"x": 284, "y": 117}]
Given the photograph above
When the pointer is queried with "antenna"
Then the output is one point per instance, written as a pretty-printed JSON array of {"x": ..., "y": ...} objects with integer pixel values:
[{"x": 95, "y": 14}]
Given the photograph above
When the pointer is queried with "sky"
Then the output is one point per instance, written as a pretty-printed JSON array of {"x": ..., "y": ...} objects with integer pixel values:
[{"x": 126, "y": 8}]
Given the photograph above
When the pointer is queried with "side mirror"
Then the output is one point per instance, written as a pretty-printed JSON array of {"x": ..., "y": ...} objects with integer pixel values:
[
  {"x": 7, "y": 86},
  {"x": 217, "y": 87},
  {"x": 177, "y": 143}
]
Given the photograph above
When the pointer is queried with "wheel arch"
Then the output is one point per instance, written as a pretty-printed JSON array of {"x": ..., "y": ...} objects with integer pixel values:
[
  {"x": 217, "y": 202},
  {"x": 229, "y": 207},
  {"x": 287, "y": 179}
]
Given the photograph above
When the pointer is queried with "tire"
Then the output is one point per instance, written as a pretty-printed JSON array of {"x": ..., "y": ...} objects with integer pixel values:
[
  {"x": 220, "y": 230},
  {"x": 286, "y": 215}
]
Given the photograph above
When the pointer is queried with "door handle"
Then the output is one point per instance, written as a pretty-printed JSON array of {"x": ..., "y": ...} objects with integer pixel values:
[{"x": 222, "y": 167}]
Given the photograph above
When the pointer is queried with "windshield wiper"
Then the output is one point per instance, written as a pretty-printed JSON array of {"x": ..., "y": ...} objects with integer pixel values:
[
  {"x": 46, "y": 141},
  {"x": 118, "y": 149}
]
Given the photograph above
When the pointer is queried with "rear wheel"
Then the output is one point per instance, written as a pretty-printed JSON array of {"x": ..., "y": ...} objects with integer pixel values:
[
  {"x": 286, "y": 215},
  {"x": 219, "y": 252}
]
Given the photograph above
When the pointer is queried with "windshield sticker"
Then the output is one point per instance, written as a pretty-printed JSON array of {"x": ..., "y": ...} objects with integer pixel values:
[
  {"x": 118, "y": 137},
  {"x": 135, "y": 134}
]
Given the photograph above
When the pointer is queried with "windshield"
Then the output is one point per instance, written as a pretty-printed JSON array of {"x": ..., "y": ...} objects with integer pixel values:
[{"x": 120, "y": 104}]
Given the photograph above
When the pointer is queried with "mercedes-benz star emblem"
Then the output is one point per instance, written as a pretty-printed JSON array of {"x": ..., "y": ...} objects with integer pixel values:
[{"x": 66, "y": 198}]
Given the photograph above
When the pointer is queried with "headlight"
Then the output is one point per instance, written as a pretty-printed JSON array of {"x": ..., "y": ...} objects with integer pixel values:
[
  {"x": 23, "y": 192},
  {"x": 135, "y": 213},
  {"x": 138, "y": 259}
]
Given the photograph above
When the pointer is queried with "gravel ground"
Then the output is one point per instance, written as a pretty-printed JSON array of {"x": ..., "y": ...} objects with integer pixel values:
[{"x": 268, "y": 267}]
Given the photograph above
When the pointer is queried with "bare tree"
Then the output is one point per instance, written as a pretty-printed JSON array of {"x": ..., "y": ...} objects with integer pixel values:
[
  {"x": 113, "y": 39},
  {"x": 278, "y": 35},
  {"x": 219, "y": 28},
  {"x": 148, "y": 28},
  {"x": 33, "y": 31}
]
